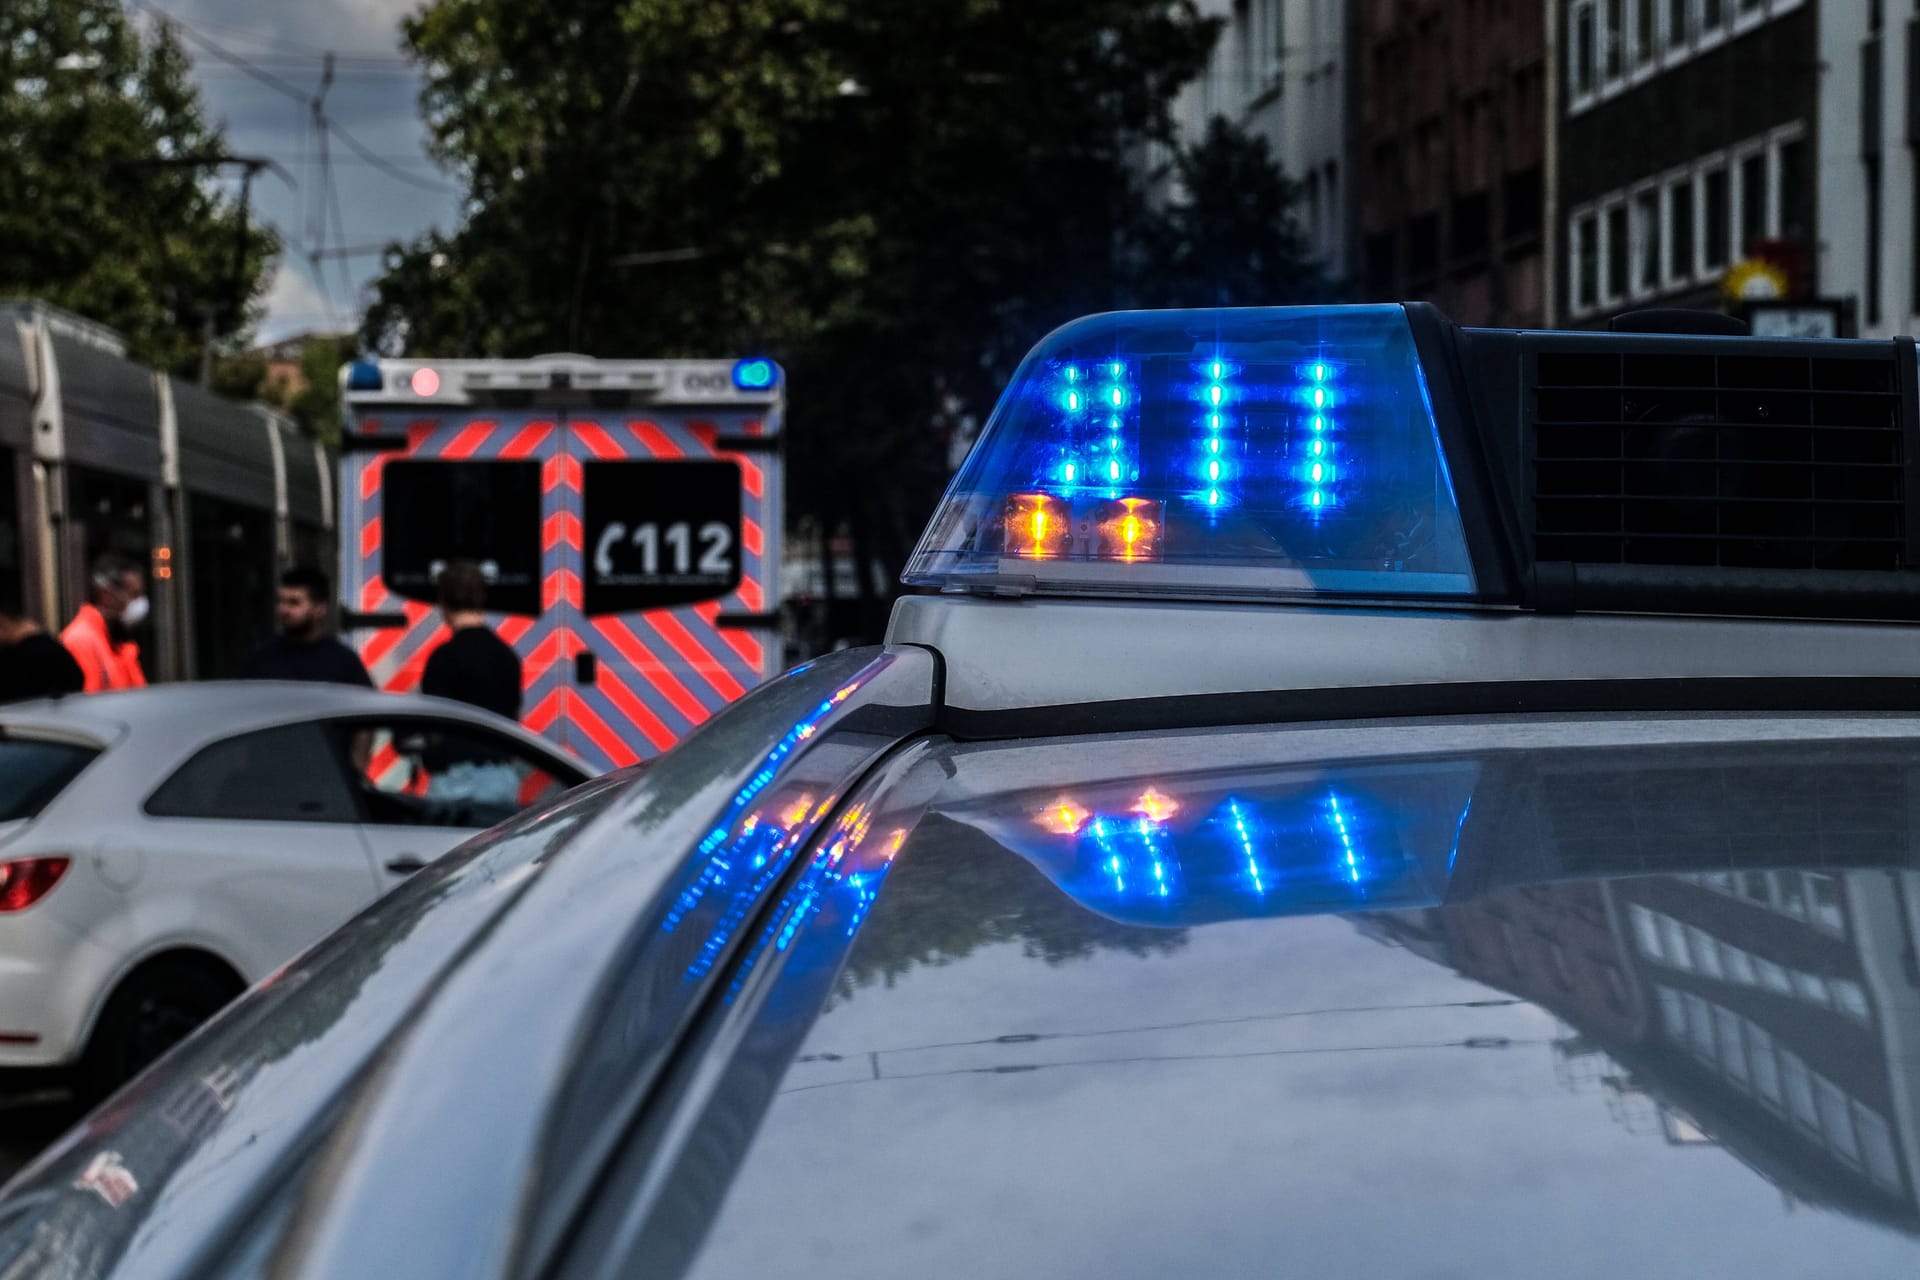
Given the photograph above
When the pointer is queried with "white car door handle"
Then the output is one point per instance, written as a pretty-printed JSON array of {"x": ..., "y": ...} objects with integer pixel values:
[{"x": 405, "y": 865}]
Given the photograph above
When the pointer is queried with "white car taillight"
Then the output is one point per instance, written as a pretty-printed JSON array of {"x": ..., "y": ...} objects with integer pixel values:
[{"x": 24, "y": 881}]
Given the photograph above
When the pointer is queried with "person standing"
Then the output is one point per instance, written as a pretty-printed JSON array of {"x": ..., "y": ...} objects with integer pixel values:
[
  {"x": 303, "y": 648},
  {"x": 32, "y": 663},
  {"x": 99, "y": 636},
  {"x": 473, "y": 665}
]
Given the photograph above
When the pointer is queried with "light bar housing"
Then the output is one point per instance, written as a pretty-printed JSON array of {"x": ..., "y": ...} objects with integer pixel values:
[{"x": 1245, "y": 453}]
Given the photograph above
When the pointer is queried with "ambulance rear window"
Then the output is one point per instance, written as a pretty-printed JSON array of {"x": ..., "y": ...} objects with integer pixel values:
[{"x": 487, "y": 512}]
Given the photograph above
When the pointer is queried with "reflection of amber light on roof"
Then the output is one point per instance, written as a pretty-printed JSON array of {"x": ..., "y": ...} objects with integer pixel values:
[
  {"x": 894, "y": 841},
  {"x": 796, "y": 813},
  {"x": 1063, "y": 817},
  {"x": 751, "y": 821},
  {"x": 1156, "y": 806}
]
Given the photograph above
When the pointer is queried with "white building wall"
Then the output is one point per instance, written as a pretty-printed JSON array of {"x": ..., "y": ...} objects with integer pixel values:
[
  {"x": 1279, "y": 70},
  {"x": 1844, "y": 217}
]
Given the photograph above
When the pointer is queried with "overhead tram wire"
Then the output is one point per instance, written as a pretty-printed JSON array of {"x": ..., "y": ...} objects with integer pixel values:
[{"x": 282, "y": 87}]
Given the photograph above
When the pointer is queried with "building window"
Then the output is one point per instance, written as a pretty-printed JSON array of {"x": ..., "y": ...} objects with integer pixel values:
[
  {"x": 1616, "y": 39},
  {"x": 1713, "y": 15},
  {"x": 1716, "y": 205},
  {"x": 1646, "y": 242},
  {"x": 1753, "y": 202},
  {"x": 1677, "y": 25},
  {"x": 1586, "y": 259},
  {"x": 1615, "y": 251},
  {"x": 1680, "y": 237},
  {"x": 1792, "y": 197},
  {"x": 1580, "y": 53},
  {"x": 1644, "y": 27}
]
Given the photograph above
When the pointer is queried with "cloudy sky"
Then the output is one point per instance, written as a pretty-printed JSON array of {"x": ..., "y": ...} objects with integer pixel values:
[{"x": 374, "y": 98}]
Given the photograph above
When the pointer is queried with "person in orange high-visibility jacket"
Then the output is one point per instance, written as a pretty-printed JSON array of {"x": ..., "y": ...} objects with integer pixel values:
[{"x": 97, "y": 636}]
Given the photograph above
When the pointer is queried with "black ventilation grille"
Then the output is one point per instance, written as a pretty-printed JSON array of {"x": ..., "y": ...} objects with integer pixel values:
[{"x": 1732, "y": 461}]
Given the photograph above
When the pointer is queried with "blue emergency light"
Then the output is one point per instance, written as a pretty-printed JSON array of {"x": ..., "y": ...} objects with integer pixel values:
[
  {"x": 1238, "y": 453},
  {"x": 364, "y": 375},
  {"x": 755, "y": 375}
]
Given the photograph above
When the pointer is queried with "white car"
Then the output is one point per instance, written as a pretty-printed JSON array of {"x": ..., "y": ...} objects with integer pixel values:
[{"x": 163, "y": 849}]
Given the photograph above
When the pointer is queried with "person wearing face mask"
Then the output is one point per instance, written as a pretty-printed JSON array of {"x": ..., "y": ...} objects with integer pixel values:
[{"x": 99, "y": 636}]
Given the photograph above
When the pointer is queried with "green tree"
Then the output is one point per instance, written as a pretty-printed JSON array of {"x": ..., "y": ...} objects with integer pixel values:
[
  {"x": 89, "y": 220},
  {"x": 1230, "y": 237},
  {"x": 893, "y": 197}
]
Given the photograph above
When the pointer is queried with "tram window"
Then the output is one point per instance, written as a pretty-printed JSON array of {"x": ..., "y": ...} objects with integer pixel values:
[
  {"x": 487, "y": 512},
  {"x": 232, "y": 583},
  {"x": 13, "y": 586}
]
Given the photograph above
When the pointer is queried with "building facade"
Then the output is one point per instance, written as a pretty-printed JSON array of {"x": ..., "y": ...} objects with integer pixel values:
[
  {"x": 1280, "y": 70},
  {"x": 1686, "y": 135},
  {"x": 1450, "y": 155}
]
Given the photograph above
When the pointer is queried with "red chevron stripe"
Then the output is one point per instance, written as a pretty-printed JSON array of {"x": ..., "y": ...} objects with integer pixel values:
[
  {"x": 469, "y": 439},
  {"x": 370, "y": 538},
  {"x": 514, "y": 630},
  {"x": 635, "y": 710},
  {"x": 747, "y": 646},
  {"x": 750, "y": 535},
  {"x": 561, "y": 584},
  {"x": 541, "y": 718},
  {"x": 370, "y": 471},
  {"x": 750, "y": 594},
  {"x": 597, "y": 441},
  {"x": 418, "y": 433},
  {"x": 750, "y": 477},
  {"x": 649, "y": 667},
  {"x": 561, "y": 527},
  {"x": 582, "y": 717},
  {"x": 561, "y": 469},
  {"x": 527, "y": 439},
  {"x": 655, "y": 441},
  {"x": 695, "y": 655},
  {"x": 387, "y": 641}
]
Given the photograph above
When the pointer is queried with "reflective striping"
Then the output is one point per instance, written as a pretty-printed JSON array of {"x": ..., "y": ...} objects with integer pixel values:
[
  {"x": 749, "y": 475},
  {"x": 560, "y": 585},
  {"x": 635, "y": 711},
  {"x": 655, "y": 441},
  {"x": 584, "y": 718},
  {"x": 660, "y": 675},
  {"x": 739, "y": 641},
  {"x": 561, "y": 529},
  {"x": 597, "y": 441},
  {"x": 561, "y": 470},
  {"x": 468, "y": 440},
  {"x": 709, "y": 668},
  {"x": 527, "y": 440}
]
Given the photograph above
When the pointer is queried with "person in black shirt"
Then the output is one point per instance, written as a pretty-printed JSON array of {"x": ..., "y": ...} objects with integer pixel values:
[
  {"x": 304, "y": 649},
  {"x": 34, "y": 664},
  {"x": 473, "y": 665}
]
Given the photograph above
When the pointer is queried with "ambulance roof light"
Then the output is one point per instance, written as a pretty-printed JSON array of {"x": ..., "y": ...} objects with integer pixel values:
[
  {"x": 1249, "y": 453},
  {"x": 755, "y": 375},
  {"x": 364, "y": 375}
]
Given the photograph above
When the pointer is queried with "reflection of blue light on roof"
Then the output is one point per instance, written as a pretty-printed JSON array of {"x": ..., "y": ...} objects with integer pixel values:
[
  {"x": 1346, "y": 839},
  {"x": 1243, "y": 844}
]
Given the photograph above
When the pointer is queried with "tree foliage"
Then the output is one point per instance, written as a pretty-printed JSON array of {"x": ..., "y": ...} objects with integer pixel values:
[
  {"x": 88, "y": 220},
  {"x": 893, "y": 197}
]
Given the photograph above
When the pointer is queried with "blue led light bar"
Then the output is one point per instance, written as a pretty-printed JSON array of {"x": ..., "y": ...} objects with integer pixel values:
[
  {"x": 364, "y": 375},
  {"x": 1281, "y": 452},
  {"x": 755, "y": 375}
]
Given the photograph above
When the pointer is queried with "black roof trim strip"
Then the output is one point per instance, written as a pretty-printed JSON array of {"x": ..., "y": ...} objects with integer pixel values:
[{"x": 1492, "y": 697}]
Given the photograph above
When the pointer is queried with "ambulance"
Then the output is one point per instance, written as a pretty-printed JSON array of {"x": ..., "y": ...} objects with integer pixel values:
[{"x": 626, "y": 514}]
